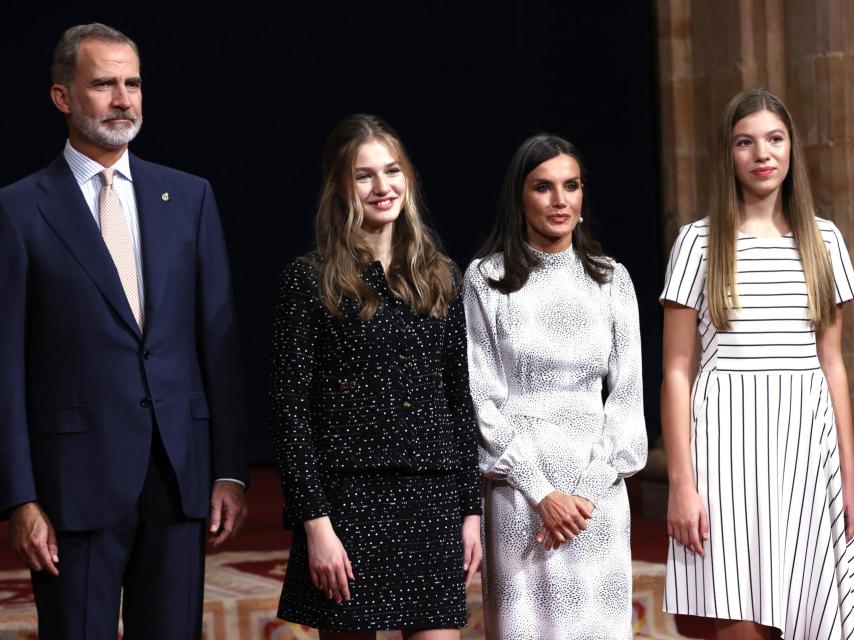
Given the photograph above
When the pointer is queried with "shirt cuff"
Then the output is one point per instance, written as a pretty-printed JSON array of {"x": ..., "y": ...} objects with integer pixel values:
[{"x": 240, "y": 482}]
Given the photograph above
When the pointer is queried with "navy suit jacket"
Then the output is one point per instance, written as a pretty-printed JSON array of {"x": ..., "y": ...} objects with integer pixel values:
[{"x": 81, "y": 386}]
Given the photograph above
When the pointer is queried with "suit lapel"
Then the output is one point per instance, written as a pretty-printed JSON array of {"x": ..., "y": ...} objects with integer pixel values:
[
  {"x": 154, "y": 205},
  {"x": 67, "y": 213}
]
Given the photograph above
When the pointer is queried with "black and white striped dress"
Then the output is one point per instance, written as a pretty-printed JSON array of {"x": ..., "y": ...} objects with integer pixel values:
[{"x": 764, "y": 447}]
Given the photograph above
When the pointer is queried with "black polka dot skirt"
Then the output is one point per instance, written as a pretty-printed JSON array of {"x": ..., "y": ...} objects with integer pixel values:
[{"x": 402, "y": 533}]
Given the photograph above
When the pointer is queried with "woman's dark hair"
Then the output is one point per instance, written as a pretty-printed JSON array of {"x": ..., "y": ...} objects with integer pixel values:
[{"x": 509, "y": 234}]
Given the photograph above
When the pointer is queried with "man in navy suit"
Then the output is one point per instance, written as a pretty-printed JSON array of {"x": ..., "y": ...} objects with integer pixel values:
[{"x": 122, "y": 412}]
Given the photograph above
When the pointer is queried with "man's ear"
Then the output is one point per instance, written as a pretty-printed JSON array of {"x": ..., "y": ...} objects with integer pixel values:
[{"x": 59, "y": 94}]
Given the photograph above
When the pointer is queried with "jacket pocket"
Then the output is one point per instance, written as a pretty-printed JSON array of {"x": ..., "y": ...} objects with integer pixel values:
[{"x": 63, "y": 420}]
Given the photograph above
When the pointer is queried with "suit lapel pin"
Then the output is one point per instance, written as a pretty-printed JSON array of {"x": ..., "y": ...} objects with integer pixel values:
[{"x": 165, "y": 196}]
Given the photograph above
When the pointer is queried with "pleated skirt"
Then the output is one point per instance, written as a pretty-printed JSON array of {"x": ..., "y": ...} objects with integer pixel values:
[
  {"x": 402, "y": 533},
  {"x": 766, "y": 459}
]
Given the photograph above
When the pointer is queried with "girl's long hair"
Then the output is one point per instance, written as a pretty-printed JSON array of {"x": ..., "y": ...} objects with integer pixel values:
[
  {"x": 419, "y": 274},
  {"x": 509, "y": 235},
  {"x": 798, "y": 208}
]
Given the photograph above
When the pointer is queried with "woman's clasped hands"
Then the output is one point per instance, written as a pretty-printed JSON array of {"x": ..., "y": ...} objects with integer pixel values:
[{"x": 564, "y": 516}]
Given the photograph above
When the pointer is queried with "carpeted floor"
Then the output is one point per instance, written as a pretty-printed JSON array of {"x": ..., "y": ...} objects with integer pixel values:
[
  {"x": 244, "y": 578},
  {"x": 242, "y": 592}
]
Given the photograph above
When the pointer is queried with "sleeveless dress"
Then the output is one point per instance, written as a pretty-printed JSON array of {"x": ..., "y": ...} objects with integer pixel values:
[{"x": 764, "y": 447}]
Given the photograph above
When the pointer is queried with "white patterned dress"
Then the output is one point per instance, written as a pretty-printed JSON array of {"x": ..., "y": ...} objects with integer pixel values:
[
  {"x": 764, "y": 448},
  {"x": 537, "y": 361}
]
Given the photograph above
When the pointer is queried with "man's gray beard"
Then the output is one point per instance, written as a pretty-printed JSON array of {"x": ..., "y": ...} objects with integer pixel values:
[{"x": 103, "y": 134}]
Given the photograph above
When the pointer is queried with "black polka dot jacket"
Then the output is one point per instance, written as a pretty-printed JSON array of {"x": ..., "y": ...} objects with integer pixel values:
[{"x": 388, "y": 394}]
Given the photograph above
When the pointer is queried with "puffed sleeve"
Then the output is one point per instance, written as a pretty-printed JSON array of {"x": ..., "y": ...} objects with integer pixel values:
[
  {"x": 296, "y": 327},
  {"x": 685, "y": 276},
  {"x": 504, "y": 453},
  {"x": 840, "y": 260},
  {"x": 622, "y": 449},
  {"x": 456, "y": 382}
]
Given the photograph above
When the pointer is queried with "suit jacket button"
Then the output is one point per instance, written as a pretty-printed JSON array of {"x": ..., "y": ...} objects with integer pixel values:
[
  {"x": 145, "y": 403},
  {"x": 146, "y": 354}
]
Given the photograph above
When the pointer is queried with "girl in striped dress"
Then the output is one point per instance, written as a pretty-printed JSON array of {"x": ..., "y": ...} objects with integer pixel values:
[{"x": 760, "y": 447}]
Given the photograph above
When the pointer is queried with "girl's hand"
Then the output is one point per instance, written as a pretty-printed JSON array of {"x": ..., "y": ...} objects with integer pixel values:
[
  {"x": 328, "y": 564},
  {"x": 848, "y": 508},
  {"x": 687, "y": 522},
  {"x": 472, "y": 550}
]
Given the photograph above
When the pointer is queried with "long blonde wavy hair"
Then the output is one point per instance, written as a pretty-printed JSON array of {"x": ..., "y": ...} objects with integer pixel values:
[
  {"x": 798, "y": 208},
  {"x": 419, "y": 273}
]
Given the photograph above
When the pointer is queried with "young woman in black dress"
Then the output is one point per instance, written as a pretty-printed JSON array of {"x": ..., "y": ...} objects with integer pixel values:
[{"x": 371, "y": 418}]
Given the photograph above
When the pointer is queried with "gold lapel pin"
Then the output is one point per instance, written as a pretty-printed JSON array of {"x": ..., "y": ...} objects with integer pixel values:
[{"x": 165, "y": 197}]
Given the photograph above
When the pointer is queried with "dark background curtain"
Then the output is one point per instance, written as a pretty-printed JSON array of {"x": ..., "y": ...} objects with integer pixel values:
[{"x": 245, "y": 98}]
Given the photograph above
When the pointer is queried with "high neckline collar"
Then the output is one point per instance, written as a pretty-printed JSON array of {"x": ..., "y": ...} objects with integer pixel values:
[{"x": 559, "y": 258}]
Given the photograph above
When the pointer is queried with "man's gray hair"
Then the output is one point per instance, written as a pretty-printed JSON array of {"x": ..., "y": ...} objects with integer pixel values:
[{"x": 68, "y": 47}]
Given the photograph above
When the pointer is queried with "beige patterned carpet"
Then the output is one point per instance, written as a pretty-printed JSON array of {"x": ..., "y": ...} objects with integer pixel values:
[{"x": 242, "y": 592}]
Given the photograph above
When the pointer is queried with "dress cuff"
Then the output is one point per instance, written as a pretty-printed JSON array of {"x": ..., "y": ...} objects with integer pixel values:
[
  {"x": 595, "y": 481},
  {"x": 528, "y": 479}
]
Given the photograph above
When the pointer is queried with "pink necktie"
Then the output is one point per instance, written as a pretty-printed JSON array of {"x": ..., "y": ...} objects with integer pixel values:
[{"x": 114, "y": 229}]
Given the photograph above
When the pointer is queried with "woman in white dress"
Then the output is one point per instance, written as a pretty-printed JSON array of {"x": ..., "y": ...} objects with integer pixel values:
[
  {"x": 549, "y": 319},
  {"x": 761, "y": 451}
]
